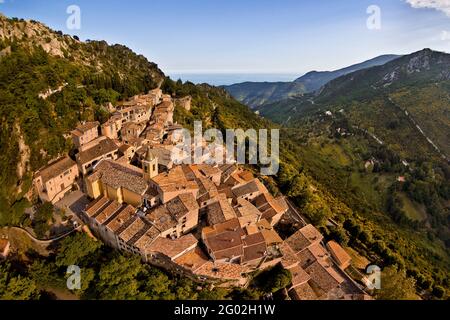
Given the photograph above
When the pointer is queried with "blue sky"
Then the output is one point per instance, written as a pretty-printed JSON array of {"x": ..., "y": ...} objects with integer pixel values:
[{"x": 283, "y": 36}]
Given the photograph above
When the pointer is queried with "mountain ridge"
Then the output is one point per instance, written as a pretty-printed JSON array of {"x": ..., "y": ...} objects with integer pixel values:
[{"x": 255, "y": 94}]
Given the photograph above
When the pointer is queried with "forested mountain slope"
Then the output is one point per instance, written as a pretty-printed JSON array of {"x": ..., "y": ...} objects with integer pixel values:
[
  {"x": 379, "y": 139},
  {"x": 256, "y": 94}
]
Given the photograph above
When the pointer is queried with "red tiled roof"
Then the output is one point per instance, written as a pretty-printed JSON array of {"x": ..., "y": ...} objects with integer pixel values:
[
  {"x": 303, "y": 238},
  {"x": 303, "y": 292},
  {"x": 173, "y": 248},
  {"x": 55, "y": 169},
  {"x": 342, "y": 257},
  {"x": 299, "y": 276}
]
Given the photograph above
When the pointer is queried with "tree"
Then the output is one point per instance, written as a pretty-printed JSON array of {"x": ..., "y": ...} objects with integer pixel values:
[
  {"x": 245, "y": 294},
  {"x": 42, "y": 219},
  {"x": 20, "y": 288},
  {"x": 317, "y": 210},
  {"x": 438, "y": 292},
  {"x": 273, "y": 280},
  {"x": 279, "y": 279},
  {"x": 157, "y": 284},
  {"x": 395, "y": 285},
  {"x": 75, "y": 248},
  {"x": 117, "y": 279},
  {"x": 183, "y": 290},
  {"x": 215, "y": 294},
  {"x": 299, "y": 186},
  {"x": 45, "y": 273},
  {"x": 16, "y": 287},
  {"x": 340, "y": 236}
]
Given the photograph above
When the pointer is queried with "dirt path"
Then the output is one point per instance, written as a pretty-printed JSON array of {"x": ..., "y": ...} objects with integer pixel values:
[
  {"x": 22, "y": 240},
  {"x": 61, "y": 294}
]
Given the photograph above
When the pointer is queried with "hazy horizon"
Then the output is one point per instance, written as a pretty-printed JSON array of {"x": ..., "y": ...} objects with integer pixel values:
[
  {"x": 229, "y": 78},
  {"x": 253, "y": 38}
]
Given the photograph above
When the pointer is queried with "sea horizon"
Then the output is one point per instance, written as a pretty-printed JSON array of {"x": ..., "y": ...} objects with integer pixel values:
[{"x": 226, "y": 79}]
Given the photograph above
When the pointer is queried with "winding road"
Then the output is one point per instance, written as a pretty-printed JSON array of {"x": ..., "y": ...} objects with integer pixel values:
[{"x": 47, "y": 241}]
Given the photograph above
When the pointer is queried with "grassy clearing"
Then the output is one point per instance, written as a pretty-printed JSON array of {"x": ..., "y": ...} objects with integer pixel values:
[
  {"x": 358, "y": 261},
  {"x": 21, "y": 242},
  {"x": 413, "y": 210}
]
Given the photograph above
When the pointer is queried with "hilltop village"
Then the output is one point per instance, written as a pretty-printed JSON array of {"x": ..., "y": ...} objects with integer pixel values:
[{"x": 212, "y": 223}]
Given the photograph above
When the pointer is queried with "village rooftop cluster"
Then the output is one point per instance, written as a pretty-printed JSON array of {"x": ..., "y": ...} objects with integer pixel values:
[{"x": 213, "y": 223}]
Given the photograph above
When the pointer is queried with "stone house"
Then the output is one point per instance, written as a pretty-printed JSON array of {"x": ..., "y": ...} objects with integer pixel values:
[
  {"x": 85, "y": 133},
  {"x": 55, "y": 180},
  {"x": 98, "y": 150}
]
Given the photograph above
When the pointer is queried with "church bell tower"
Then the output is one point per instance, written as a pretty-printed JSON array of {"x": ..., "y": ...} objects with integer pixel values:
[{"x": 150, "y": 165}]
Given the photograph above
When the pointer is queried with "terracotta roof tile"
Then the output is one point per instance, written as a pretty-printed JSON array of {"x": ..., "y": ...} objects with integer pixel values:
[
  {"x": 341, "y": 256},
  {"x": 95, "y": 207},
  {"x": 83, "y": 128},
  {"x": 324, "y": 276},
  {"x": 312, "y": 254},
  {"x": 289, "y": 259},
  {"x": 118, "y": 175},
  {"x": 193, "y": 259},
  {"x": 103, "y": 147},
  {"x": 220, "y": 211},
  {"x": 55, "y": 169},
  {"x": 182, "y": 205},
  {"x": 224, "y": 271},
  {"x": 303, "y": 292},
  {"x": 303, "y": 238},
  {"x": 254, "y": 247},
  {"x": 121, "y": 219},
  {"x": 299, "y": 276},
  {"x": 129, "y": 232},
  {"x": 173, "y": 248},
  {"x": 162, "y": 219},
  {"x": 269, "y": 234},
  {"x": 246, "y": 189},
  {"x": 225, "y": 239},
  {"x": 147, "y": 238},
  {"x": 108, "y": 212}
]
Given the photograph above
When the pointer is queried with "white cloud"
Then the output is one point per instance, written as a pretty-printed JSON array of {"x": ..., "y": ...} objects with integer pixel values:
[
  {"x": 440, "y": 5},
  {"x": 445, "y": 36}
]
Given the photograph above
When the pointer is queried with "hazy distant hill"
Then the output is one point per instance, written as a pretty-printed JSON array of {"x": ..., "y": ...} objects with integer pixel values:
[
  {"x": 417, "y": 83},
  {"x": 255, "y": 94}
]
